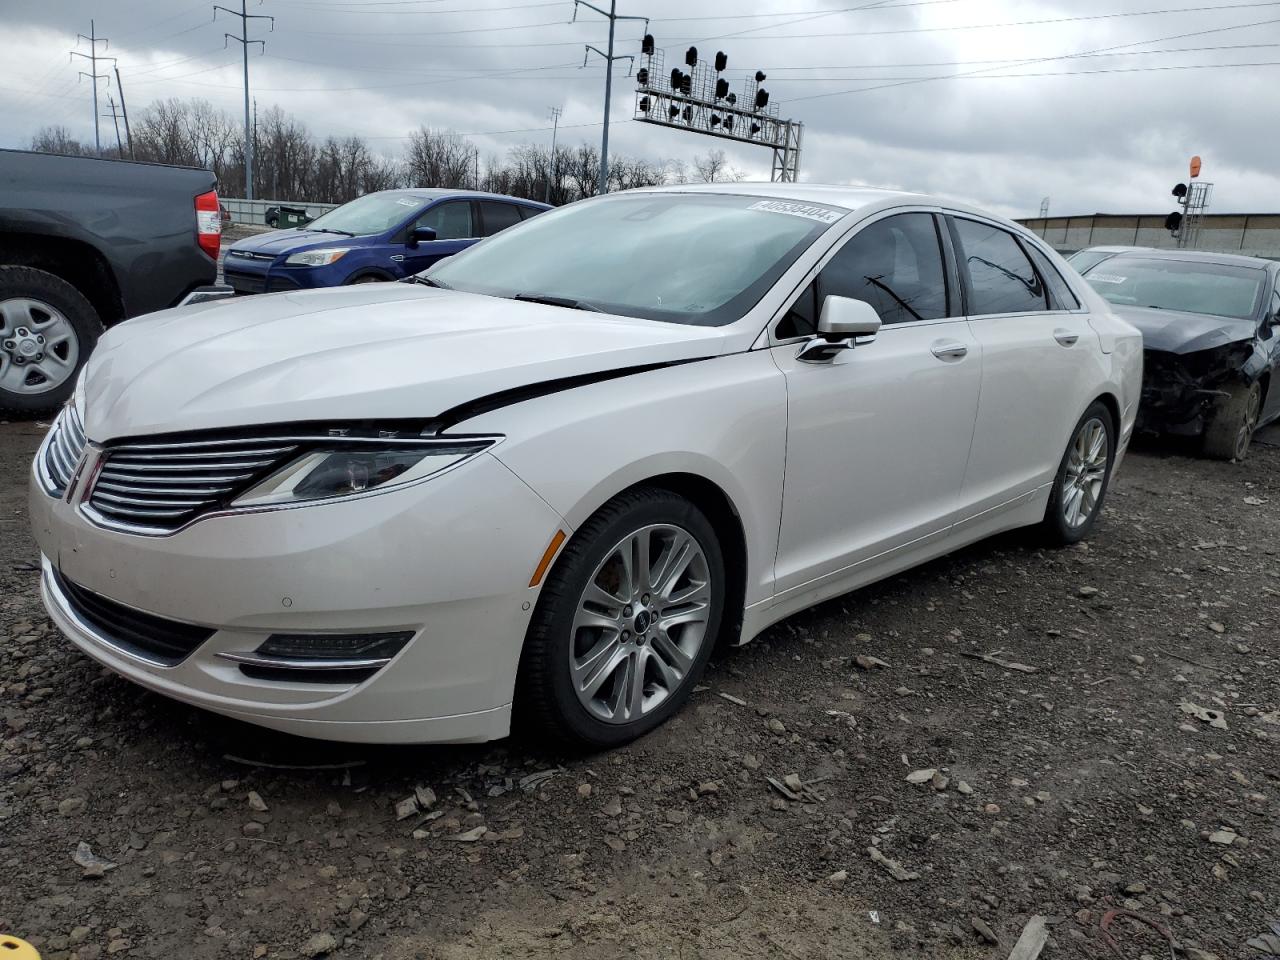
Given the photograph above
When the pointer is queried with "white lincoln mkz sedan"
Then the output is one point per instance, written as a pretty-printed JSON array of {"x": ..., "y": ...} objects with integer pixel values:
[{"x": 546, "y": 477}]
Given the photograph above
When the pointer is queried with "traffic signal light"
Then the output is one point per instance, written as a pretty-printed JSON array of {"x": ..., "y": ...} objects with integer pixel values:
[
  {"x": 642, "y": 76},
  {"x": 762, "y": 99},
  {"x": 676, "y": 74},
  {"x": 691, "y": 56},
  {"x": 1173, "y": 222},
  {"x": 722, "y": 61},
  {"x": 1180, "y": 190},
  {"x": 644, "y": 104},
  {"x": 722, "y": 88},
  {"x": 646, "y": 45}
]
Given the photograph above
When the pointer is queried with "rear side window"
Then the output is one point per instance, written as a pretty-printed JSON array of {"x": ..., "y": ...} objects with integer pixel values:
[
  {"x": 529, "y": 212},
  {"x": 498, "y": 216},
  {"x": 451, "y": 220},
  {"x": 1001, "y": 277},
  {"x": 1060, "y": 295},
  {"x": 895, "y": 265}
]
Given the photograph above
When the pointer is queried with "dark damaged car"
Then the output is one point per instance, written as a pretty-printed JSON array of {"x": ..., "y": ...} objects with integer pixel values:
[{"x": 1211, "y": 334}]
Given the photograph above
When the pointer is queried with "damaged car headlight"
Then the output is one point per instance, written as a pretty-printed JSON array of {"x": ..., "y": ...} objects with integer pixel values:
[{"x": 356, "y": 468}]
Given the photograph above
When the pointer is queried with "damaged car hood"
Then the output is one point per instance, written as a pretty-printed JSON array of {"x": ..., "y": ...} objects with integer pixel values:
[
  {"x": 392, "y": 350},
  {"x": 1176, "y": 332}
]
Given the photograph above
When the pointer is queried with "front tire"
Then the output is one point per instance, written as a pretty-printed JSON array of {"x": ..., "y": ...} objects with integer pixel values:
[
  {"x": 625, "y": 623},
  {"x": 1080, "y": 486},
  {"x": 1230, "y": 429},
  {"x": 47, "y": 330}
]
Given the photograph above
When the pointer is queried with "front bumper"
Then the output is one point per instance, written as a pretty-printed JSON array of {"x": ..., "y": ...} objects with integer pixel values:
[{"x": 448, "y": 560}]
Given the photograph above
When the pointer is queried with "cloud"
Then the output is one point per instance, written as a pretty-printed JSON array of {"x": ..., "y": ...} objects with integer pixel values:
[{"x": 1113, "y": 134}]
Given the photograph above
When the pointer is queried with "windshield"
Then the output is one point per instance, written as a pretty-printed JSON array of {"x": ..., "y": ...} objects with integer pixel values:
[
  {"x": 370, "y": 214},
  {"x": 694, "y": 258},
  {"x": 1217, "y": 289},
  {"x": 1084, "y": 259}
]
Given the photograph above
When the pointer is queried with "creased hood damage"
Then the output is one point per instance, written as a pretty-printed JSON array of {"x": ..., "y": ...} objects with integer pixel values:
[
  {"x": 376, "y": 351},
  {"x": 1175, "y": 332}
]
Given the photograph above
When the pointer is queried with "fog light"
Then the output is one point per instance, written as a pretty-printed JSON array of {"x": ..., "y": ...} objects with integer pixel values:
[{"x": 333, "y": 646}]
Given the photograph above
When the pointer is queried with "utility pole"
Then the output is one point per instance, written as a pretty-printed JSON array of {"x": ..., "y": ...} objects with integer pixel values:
[
  {"x": 94, "y": 76},
  {"x": 245, "y": 42},
  {"x": 555, "y": 127},
  {"x": 115, "y": 118},
  {"x": 613, "y": 17},
  {"x": 125, "y": 112}
]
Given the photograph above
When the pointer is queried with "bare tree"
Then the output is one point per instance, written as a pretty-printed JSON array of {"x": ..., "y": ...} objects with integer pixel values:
[
  {"x": 58, "y": 139},
  {"x": 437, "y": 158},
  {"x": 714, "y": 168}
]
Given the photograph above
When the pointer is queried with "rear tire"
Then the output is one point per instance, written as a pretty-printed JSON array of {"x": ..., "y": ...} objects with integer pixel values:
[
  {"x": 1084, "y": 474},
  {"x": 47, "y": 331},
  {"x": 616, "y": 646},
  {"x": 1230, "y": 429}
]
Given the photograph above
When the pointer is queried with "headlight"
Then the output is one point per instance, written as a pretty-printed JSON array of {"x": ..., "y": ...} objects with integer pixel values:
[
  {"x": 356, "y": 468},
  {"x": 316, "y": 258}
]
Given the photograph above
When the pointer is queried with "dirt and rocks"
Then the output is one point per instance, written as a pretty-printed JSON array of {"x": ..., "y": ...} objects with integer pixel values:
[{"x": 1007, "y": 733}]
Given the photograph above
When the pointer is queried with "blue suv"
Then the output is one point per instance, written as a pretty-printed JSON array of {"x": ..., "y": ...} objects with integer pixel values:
[{"x": 380, "y": 236}]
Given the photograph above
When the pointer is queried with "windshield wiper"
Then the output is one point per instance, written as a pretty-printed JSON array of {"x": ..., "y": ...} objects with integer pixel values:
[
  {"x": 427, "y": 282},
  {"x": 343, "y": 233},
  {"x": 566, "y": 302}
]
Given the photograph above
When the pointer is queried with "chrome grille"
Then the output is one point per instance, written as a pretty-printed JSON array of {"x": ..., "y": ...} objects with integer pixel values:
[
  {"x": 162, "y": 486},
  {"x": 63, "y": 450}
]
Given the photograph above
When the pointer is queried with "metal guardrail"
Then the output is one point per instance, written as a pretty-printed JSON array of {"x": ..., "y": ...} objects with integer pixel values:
[{"x": 255, "y": 211}]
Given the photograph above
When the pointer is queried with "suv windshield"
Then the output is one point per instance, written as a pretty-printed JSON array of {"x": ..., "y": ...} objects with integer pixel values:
[
  {"x": 1217, "y": 289},
  {"x": 370, "y": 214},
  {"x": 695, "y": 258}
]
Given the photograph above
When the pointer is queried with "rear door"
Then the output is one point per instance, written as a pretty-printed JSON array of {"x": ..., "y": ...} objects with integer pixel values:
[
  {"x": 454, "y": 222},
  {"x": 1270, "y": 339},
  {"x": 1040, "y": 363},
  {"x": 877, "y": 438}
]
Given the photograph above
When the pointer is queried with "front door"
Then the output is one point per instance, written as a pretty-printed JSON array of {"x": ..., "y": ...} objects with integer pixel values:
[
  {"x": 455, "y": 227},
  {"x": 877, "y": 439}
]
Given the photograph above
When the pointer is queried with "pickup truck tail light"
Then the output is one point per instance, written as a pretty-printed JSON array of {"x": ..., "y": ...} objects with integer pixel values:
[{"x": 208, "y": 223}]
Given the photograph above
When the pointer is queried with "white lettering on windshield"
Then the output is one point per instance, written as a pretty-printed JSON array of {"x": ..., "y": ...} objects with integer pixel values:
[{"x": 808, "y": 211}]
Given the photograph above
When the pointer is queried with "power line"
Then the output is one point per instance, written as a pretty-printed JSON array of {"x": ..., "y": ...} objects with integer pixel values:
[
  {"x": 245, "y": 42},
  {"x": 93, "y": 75}
]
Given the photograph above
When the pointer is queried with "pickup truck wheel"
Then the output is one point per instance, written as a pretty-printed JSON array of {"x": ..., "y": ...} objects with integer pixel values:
[
  {"x": 47, "y": 329},
  {"x": 1229, "y": 431}
]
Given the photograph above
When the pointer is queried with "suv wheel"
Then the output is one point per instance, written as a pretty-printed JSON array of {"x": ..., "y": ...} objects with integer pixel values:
[{"x": 47, "y": 329}]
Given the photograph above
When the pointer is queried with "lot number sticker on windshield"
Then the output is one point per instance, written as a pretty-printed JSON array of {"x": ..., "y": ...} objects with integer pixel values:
[
  {"x": 808, "y": 211},
  {"x": 1106, "y": 278}
]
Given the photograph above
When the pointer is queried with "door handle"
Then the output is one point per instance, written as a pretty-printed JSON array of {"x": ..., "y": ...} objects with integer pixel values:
[
  {"x": 1065, "y": 337},
  {"x": 949, "y": 349},
  {"x": 398, "y": 257}
]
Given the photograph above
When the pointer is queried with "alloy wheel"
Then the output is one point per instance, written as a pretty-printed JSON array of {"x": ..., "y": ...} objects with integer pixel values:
[
  {"x": 1248, "y": 423},
  {"x": 39, "y": 349},
  {"x": 639, "y": 624},
  {"x": 1086, "y": 473}
]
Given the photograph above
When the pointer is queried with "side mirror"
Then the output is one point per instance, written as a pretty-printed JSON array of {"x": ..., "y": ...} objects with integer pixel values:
[
  {"x": 422, "y": 235},
  {"x": 842, "y": 321}
]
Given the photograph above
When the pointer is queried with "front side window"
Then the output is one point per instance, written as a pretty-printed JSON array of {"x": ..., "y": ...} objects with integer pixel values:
[
  {"x": 695, "y": 258},
  {"x": 498, "y": 216},
  {"x": 1001, "y": 277},
  {"x": 1187, "y": 286},
  {"x": 369, "y": 215},
  {"x": 450, "y": 220},
  {"x": 895, "y": 265}
]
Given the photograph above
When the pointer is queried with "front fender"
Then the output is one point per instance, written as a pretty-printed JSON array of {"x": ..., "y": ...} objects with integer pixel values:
[{"x": 723, "y": 419}]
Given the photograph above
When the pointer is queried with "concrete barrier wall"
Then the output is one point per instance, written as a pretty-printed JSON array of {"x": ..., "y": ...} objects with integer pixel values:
[{"x": 1253, "y": 234}]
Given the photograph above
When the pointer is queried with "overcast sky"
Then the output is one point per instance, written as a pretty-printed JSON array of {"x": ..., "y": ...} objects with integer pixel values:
[{"x": 1098, "y": 109}]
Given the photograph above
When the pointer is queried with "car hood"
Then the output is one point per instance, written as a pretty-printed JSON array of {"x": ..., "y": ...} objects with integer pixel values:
[
  {"x": 374, "y": 351},
  {"x": 1175, "y": 332},
  {"x": 290, "y": 241}
]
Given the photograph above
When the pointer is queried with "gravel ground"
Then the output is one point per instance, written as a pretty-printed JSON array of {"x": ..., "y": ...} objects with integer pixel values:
[{"x": 1075, "y": 787}]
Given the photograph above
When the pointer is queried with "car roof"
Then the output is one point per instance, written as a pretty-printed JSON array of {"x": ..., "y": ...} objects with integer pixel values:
[
  {"x": 1198, "y": 256},
  {"x": 853, "y": 198},
  {"x": 435, "y": 193}
]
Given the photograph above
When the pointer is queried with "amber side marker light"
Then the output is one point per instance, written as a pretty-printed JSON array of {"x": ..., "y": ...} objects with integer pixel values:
[{"x": 552, "y": 548}]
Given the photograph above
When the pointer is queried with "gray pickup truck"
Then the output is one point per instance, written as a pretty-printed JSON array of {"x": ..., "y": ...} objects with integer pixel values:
[{"x": 84, "y": 244}]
